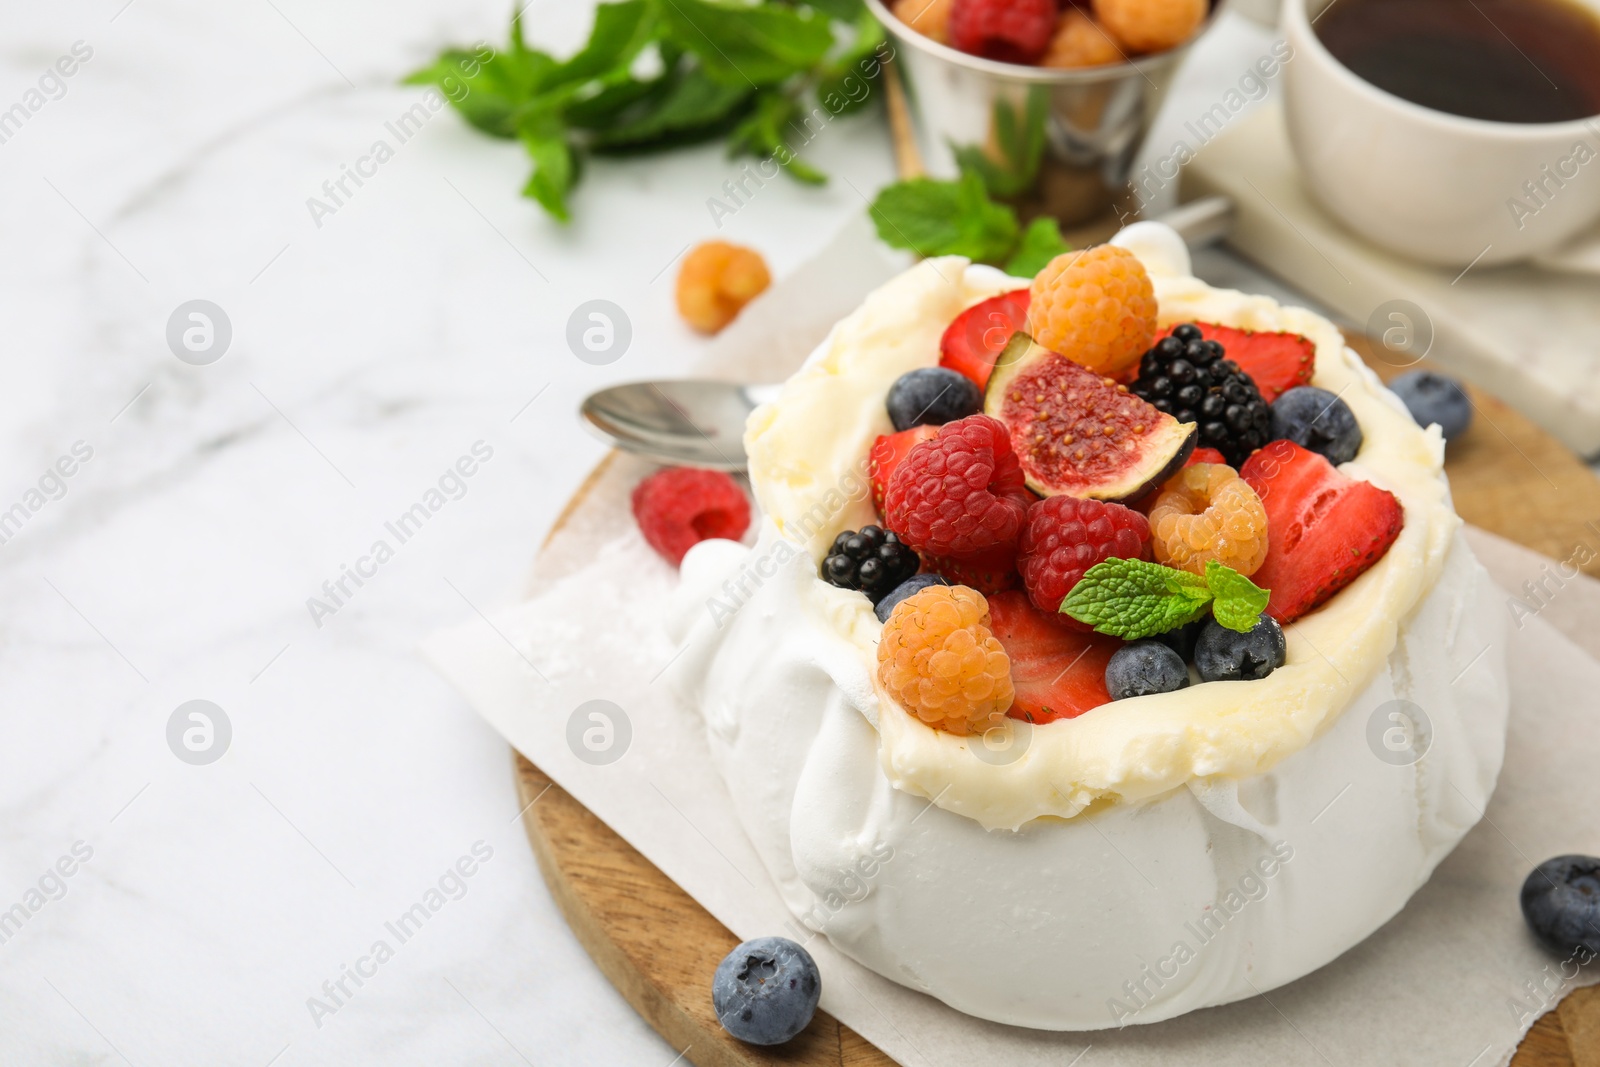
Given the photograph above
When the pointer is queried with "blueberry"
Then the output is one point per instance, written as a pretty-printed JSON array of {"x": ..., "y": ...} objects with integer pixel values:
[
  {"x": 1222, "y": 654},
  {"x": 1561, "y": 901},
  {"x": 915, "y": 584},
  {"x": 1183, "y": 638},
  {"x": 932, "y": 396},
  {"x": 1316, "y": 419},
  {"x": 1144, "y": 667},
  {"x": 1433, "y": 398},
  {"x": 766, "y": 990}
]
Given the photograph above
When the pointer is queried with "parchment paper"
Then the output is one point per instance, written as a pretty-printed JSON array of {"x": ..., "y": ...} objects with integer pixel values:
[{"x": 1453, "y": 980}]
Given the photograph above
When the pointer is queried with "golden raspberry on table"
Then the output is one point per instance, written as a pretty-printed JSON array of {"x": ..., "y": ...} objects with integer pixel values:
[
  {"x": 1097, "y": 307},
  {"x": 1079, "y": 41},
  {"x": 938, "y": 659},
  {"x": 1150, "y": 25},
  {"x": 1208, "y": 512},
  {"x": 716, "y": 281}
]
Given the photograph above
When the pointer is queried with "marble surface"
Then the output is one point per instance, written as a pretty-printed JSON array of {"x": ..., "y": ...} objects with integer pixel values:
[{"x": 208, "y": 904}]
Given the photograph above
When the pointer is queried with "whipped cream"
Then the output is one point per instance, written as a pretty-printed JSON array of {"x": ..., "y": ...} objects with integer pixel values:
[{"x": 1151, "y": 856}]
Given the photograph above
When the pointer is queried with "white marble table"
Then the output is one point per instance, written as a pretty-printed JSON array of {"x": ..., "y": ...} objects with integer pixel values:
[{"x": 208, "y": 904}]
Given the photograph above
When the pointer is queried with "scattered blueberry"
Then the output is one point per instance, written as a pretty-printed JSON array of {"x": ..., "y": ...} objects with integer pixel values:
[
  {"x": 932, "y": 396},
  {"x": 911, "y": 586},
  {"x": 1433, "y": 398},
  {"x": 1317, "y": 419},
  {"x": 872, "y": 560},
  {"x": 1561, "y": 901},
  {"x": 1183, "y": 638},
  {"x": 1144, "y": 667},
  {"x": 766, "y": 990},
  {"x": 1224, "y": 655}
]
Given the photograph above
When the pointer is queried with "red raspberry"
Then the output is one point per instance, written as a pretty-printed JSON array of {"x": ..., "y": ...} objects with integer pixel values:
[
  {"x": 1065, "y": 536},
  {"x": 1011, "y": 31},
  {"x": 961, "y": 494},
  {"x": 679, "y": 507}
]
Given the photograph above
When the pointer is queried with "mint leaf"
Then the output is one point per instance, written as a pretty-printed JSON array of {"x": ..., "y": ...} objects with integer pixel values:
[
  {"x": 620, "y": 32},
  {"x": 1041, "y": 242},
  {"x": 1132, "y": 599},
  {"x": 1239, "y": 601},
  {"x": 762, "y": 133},
  {"x": 554, "y": 166},
  {"x": 846, "y": 84},
  {"x": 935, "y": 218},
  {"x": 696, "y": 106},
  {"x": 488, "y": 88},
  {"x": 748, "y": 44}
]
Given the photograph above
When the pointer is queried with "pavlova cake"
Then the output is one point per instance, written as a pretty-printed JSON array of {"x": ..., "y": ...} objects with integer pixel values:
[{"x": 1108, "y": 648}]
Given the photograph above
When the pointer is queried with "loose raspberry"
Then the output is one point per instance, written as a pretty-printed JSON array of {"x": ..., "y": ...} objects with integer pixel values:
[
  {"x": 1065, "y": 536},
  {"x": 1151, "y": 25},
  {"x": 1081, "y": 42},
  {"x": 1208, "y": 512},
  {"x": 939, "y": 661},
  {"x": 1011, "y": 31},
  {"x": 1097, "y": 307},
  {"x": 679, "y": 507},
  {"x": 931, "y": 18},
  {"x": 960, "y": 494},
  {"x": 716, "y": 281}
]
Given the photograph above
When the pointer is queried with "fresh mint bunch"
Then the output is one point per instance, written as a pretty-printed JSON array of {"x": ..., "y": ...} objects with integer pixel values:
[
  {"x": 657, "y": 74},
  {"x": 1132, "y": 599}
]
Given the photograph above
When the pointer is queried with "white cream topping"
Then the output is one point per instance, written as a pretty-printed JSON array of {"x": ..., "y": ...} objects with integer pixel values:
[{"x": 807, "y": 465}]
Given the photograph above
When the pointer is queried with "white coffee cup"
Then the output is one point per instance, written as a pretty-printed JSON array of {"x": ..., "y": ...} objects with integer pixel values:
[{"x": 1428, "y": 185}]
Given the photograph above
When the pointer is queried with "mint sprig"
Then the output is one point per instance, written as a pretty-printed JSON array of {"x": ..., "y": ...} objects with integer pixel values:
[
  {"x": 1132, "y": 599},
  {"x": 765, "y": 75},
  {"x": 958, "y": 218}
]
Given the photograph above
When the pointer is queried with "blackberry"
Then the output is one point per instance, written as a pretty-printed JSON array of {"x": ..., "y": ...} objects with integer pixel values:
[
  {"x": 1188, "y": 377},
  {"x": 873, "y": 560}
]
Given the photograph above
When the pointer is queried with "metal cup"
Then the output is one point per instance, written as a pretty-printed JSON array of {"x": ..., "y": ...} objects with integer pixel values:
[{"x": 1064, "y": 140}]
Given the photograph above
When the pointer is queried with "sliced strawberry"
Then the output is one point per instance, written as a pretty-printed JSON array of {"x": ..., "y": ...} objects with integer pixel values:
[
  {"x": 973, "y": 342},
  {"x": 1323, "y": 529},
  {"x": 1058, "y": 673},
  {"x": 1206, "y": 455},
  {"x": 887, "y": 452},
  {"x": 1277, "y": 362},
  {"x": 990, "y": 573}
]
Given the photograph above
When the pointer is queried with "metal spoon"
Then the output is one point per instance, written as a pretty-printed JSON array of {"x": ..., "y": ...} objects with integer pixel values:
[
  {"x": 701, "y": 423},
  {"x": 696, "y": 423}
]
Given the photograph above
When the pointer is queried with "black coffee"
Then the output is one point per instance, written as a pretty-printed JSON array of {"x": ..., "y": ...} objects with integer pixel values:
[{"x": 1501, "y": 60}]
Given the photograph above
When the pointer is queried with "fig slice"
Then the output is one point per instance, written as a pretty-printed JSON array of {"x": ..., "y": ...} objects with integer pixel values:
[{"x": 1078, "y": 433}]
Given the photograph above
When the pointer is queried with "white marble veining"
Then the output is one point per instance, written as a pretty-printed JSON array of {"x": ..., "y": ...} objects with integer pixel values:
[{"x": 368, "y": 355}]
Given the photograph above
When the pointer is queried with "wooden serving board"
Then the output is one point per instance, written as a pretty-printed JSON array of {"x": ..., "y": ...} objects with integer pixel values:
[{"x": 659, "y": 947}]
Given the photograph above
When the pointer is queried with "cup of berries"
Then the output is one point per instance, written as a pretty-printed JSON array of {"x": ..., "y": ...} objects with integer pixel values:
[{"x": 1047, "y": 99}]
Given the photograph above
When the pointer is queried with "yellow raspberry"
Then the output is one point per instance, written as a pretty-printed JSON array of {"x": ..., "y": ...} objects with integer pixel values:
[
  {"x": 1079, "y": 42},
  {"x": 1150, "y": 25},
  {"x": 939, "y": 660},
  {"x": 1096, "y": 307},
  {"x": 931, "y": 18},
  {"x": 716, "y": 281},
  {"x": 1208, "y": 512}
]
